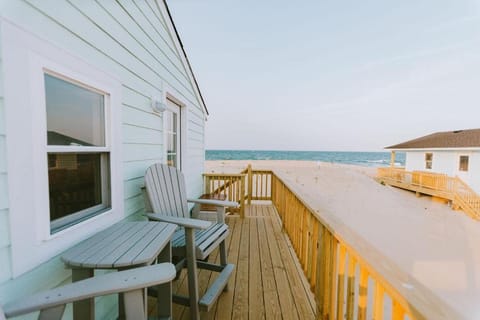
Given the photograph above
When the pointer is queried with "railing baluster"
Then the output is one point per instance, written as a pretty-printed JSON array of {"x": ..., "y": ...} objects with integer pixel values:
[
  {"x": 378, "y": 301},
  {"x": 341, "y": 282},
  {"x": 362, "y": 294},
  {"x": 352, "y": 263}
]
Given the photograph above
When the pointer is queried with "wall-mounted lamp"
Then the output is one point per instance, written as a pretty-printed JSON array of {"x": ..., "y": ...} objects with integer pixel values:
[{"x": 158, "y": 106}]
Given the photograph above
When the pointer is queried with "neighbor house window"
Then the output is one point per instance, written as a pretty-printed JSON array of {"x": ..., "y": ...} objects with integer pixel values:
[
  {"x": 172, "y": 133},
  {"x": 463, "y": 163},
  {"x": 77, "y": 150},
  {"x": 428, "y": 160}
]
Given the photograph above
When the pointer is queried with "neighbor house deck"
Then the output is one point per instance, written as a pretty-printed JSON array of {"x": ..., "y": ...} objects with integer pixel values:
[{"x": 268, "y": 282}]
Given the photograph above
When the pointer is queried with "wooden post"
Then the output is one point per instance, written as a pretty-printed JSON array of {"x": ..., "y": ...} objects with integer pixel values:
[
  {"x": 242, "y": 197},
  {"x": 392, "y": 159},
  {"x": 249, "y": 183}
]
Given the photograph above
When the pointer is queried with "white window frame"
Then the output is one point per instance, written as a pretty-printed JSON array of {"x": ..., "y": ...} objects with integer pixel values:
[
  {"x": 181, "y": 130},
  {"x": 428, "y": 163},
  {"x": 25, "y": 57},
  {"x": 460, "y": 162},
  {"x": 76, "y": 217}
]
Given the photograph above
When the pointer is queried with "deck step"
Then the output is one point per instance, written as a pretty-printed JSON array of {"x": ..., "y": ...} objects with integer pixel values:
[{"x": 216, "y": 288}]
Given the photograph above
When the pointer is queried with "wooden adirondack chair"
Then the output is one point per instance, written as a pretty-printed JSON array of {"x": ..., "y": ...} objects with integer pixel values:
[
  {"x": 195, "y": 240},
  {"x": 131, "y": 283}
]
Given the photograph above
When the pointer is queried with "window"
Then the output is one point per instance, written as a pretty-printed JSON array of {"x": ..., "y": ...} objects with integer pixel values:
[
  {"x": 428, "y": 160},
  {"x": 81, "y": 154},
  {"x": 78, "y": 155},
  {"x": 463, "y": 164},
  {"x": 172, "y": 133}
]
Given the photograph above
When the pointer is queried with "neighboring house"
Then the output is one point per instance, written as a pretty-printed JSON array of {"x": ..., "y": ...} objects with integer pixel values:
[
  {"x": 91, "y": 94},
  {"x": 454, "y": 153}
]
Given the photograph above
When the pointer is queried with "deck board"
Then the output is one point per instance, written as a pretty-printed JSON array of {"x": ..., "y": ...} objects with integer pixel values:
[{"x": 268, "y": 281}]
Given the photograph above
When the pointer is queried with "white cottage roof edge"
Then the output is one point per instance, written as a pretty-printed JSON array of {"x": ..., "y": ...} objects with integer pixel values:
[
  {"x": 435, "y": 149},
  {"x": 185, "y": 60}
]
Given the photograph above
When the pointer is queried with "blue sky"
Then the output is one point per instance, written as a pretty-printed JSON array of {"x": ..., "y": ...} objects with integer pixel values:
[{"x": 332, "y": 75}]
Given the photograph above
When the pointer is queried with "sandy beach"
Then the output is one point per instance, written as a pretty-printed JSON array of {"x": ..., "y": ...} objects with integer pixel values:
[{"x": 439, "y": 247}]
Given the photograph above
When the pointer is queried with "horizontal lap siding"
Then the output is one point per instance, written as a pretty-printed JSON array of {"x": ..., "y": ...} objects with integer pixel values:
[
  {"x": 5, "y": 262},
  {"x": 130, "y": 41}
]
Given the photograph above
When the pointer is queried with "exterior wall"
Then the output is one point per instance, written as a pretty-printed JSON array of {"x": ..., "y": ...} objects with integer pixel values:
[
  {"x": 133, "y": 42},
  {"x": 4, "y": 230},
  {"x": 447, "y": 162}
]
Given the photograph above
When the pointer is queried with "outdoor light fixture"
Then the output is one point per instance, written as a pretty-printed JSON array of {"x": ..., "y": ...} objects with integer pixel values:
[{"x": 158, "y": 106}]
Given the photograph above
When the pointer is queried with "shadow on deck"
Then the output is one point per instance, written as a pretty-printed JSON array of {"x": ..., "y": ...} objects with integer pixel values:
[{"x": 268, "y": 282}]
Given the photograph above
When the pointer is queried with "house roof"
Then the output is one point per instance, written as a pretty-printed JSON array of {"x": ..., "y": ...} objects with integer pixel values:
[
  {"x": 448, "y": 139},
  {"x": 186, "y": 57}
]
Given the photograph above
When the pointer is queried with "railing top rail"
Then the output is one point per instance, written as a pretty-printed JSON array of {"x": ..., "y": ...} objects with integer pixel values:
[
  {"x": 233, "y": 175},
  {"x": 262, "y": 171}
]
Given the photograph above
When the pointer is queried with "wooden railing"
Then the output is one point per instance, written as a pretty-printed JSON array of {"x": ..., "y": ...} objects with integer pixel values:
[
  {"x": 349, "y": 277},
  {"x": 248, "y": 185},
  {"x": 259, "y": 183},
  {"x": 439, "y": 185},
  {"x": 231, "y": 186}
]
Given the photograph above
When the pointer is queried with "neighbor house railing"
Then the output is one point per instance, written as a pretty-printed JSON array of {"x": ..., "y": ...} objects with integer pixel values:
[
  {"x": 434, "y": 184},
  {"x": 350, "y": 278}
]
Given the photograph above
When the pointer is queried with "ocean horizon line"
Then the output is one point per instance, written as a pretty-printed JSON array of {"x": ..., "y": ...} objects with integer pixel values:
[{"x": 362, "y": 158}]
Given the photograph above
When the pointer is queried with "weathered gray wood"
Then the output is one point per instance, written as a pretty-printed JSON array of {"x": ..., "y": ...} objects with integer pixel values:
[
  {"x": 166, "y": 195},
  {"x": 83, "y": 309},
  {"x": 54, "y": 313},
  {"x": 214, "y": 202},
  {"x": 135, "y": 307},
  {"x": 166, "y": 191},
  {"x": 216, "y": 288},
  {"x": 184, "y": 222},
  {"x": 192, "y": 274},
  {"x": 164, "y": 291},
  {"x": 131, "y": 244},
  {"x": 118, "y": 282}
]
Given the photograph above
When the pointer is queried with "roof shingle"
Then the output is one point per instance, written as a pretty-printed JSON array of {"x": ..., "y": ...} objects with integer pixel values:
[{"x": 448, "y": 139}]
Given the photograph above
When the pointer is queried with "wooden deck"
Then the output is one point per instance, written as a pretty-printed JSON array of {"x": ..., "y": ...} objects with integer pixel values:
[{"x": 268, "y": 282}]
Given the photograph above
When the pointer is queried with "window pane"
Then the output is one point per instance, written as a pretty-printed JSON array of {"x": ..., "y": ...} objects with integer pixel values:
[
  {"x": 171, "y": 143},
  {"x": 463, "y": 163},
  {"x": 75, "y": 115},
  {"x": 172, "y": 160},
  {"x": 76, "y": 183}
]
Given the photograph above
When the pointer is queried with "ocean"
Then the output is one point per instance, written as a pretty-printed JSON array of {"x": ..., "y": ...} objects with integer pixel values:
[{"x": 368, "y": 159}]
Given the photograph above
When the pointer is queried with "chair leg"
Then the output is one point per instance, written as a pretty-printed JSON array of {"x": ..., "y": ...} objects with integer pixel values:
[
  {"x": 192, "y": 274},
  {"x": 52, "y": 313},
  {"x": 223, "y": 258},
  {"x": 164, "y": 291},
  {"x": 135, "y": 304}
]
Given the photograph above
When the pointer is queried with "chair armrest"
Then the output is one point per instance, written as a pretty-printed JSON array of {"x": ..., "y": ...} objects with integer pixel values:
[
  {"x": 218, "y": 203},
  {"x": 109, "y": 283},
  {"x": 184, "y": 222}
]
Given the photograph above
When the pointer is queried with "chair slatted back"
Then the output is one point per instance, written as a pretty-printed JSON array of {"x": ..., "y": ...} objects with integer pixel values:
[{"x": 166, "y": 190}]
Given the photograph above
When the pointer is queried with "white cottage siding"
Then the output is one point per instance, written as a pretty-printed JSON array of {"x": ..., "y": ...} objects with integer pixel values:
[
  {"x": 448, "y": 162},
  {"x": 132, "y": 42},
  {"x": 5, "y": 259}
]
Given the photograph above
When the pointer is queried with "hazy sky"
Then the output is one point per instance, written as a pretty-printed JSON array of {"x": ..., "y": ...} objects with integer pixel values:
[{"x": 330, "y": 74}]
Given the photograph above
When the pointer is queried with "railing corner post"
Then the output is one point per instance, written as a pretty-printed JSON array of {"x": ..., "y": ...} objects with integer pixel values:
[{"x": 249, "y": 183}]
